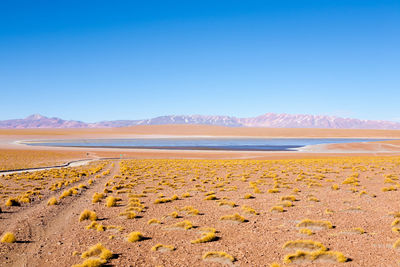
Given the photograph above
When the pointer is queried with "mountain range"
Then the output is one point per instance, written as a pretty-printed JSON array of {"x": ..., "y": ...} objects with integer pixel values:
[{"x": 272, "y": 120}]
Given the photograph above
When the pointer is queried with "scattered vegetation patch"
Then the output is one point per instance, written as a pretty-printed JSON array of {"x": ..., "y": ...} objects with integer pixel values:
[{"x": 234, "y": 218}]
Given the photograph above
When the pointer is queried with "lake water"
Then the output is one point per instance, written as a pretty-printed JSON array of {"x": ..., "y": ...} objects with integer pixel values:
[{"x": 238, "y": 144}]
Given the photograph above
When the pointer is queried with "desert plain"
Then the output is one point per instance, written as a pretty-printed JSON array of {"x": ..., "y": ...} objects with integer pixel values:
[{"x": 326, "y": 205}]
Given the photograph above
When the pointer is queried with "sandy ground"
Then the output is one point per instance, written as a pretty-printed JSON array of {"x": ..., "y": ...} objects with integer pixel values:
[{"x": 49, "y": 235}]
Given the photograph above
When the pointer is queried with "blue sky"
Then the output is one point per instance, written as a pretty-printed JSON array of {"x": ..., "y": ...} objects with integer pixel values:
[{"x": 105, "y": 60}]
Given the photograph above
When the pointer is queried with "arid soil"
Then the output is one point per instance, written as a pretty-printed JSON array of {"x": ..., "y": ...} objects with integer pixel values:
[
  {"x": 348, "y": 192},
  {"x": 356, "y": 195}
]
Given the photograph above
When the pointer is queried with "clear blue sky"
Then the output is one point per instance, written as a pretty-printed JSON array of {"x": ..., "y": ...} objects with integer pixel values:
[{"x": 105, "y": 60}]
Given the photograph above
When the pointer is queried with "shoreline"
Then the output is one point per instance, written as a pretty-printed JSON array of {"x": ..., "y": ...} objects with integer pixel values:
[{"x": 11, "y": 141}]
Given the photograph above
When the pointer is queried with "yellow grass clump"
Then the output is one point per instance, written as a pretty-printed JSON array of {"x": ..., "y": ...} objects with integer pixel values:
[
  {"x": 289, "y": 198},
  {"x": 173, "y": 214},
  {"x": 218, "y": 255},
  {"x": 183, "y": 224},
  {"x": 248, "y": 196},
  {"x": 162, "y": 200},
  {"x": 396, "y": 244},
  {"x": 162, "y": 248},
  {"x": 273, "y": 191},
  {"x": 390, "y": 188},
  {"x": 96, "y": 226},
  {"x": 235, "y": 217},
  {"x": 8, "y": 238},
  {"x": 97, "y": 197},
  {"x": 12, "y": 202},
  {"x": 226, "y": 203},
  {"x": 153, "y": 221},
  {"x": 277, "y": 209},
  {"x": 322, "y": 255},
  {"x": 128, "y": 214},
  {"x": 211, "y": 197},
  {"x": 249, "y": 210},
  {"x": 186, "y": 195},
  {"x": 88, "y": 215},
  {"x": 99, "y": 251},
  {"x": 190, "y": 210},
  {"x": 304, "y": 245},
  {"x": 306, "y": 231},
  {"x": 307, "y": 223},
  {"x": 329, "y": 211},
  {"x": 111, "y": 201},
  {"x": 135, "y": 237},
  {"x": 312, "y": 198},
  {"x": 286, "y": 204},
  {"x": 52, "y": 201},
  {"x": 335, "y": 187},
  {"x": 206, "y": 237}
]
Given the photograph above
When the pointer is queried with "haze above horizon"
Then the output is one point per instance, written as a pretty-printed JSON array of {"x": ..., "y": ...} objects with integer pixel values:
[{"x": 97, "y": 60}]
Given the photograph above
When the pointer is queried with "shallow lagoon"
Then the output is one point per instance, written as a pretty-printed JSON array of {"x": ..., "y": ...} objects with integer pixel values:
[{"x": 236, "y": 144}]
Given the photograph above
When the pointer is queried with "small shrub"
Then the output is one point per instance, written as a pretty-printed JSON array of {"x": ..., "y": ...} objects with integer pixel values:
[
  {"x": 162, "y": 248},
  {"x": 88, "y": 215},
  {"x": 52, "y": 201},
  {"x": 12, "y": 202},
  {"x": 153, "y": 221},
  {"x": 307, "y": 223},
  {"x": 248, "y": 196},
  {"x": 235, "y": 217},
  {"x": 135, "y": 237},
  {"x": 277, "y": 209},
  {"x": 211, "y": 197},
  {"x": 304, "y": 245},
  {"x": 8, "y": 238},
  {"x": 111, "y": 201},
  {"x": 218, "y": 255},
  {"x": 97, "y": 197},
  {"x": 97, "y": 250},
  {"x": 206, "y": 237}
]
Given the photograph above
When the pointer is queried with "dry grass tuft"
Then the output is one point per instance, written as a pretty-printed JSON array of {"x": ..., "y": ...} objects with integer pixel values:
[
  {"x": 111, "y": 201},
  {"x": 277, "y": 209},
  {"x": 306, "y": 231},
  {"x": 52, "y": 201},
  {"x": 304, "y": 245},
  {"x": 153, "y": 221},
  {"x": 12, "y": 202},
  {"x": 235, "y": 218},
  {"x": 162, "y": 248},
  {"x": 8, "y": 238},
  {"x": 97, "y": 197},
  {"x": 183, "y": 225},
  {"x": 218, "y": 256},
  {"x": 314, "y": 224},
  {"x": 88, "y": 215},
  {"x": 135, "y": 237},
  {"x": 97, "y": 250},
  {"x": 206, "y": 237}
]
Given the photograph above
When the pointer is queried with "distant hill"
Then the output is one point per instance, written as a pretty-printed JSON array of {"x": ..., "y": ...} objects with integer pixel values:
[{"x": 272, "y": 120}]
